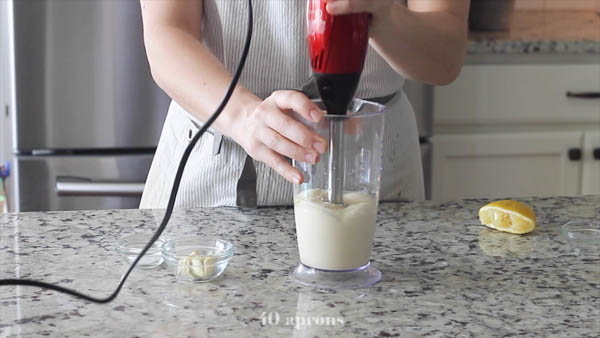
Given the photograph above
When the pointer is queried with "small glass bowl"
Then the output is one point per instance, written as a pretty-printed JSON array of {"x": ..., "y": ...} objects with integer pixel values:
[
  {"x": 197, "y": 259},
  {"x": 583, "y": 234},
  {"x": 130, "y": 246}
]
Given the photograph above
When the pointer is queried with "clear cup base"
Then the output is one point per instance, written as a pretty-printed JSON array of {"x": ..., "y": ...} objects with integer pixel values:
[{"x": 362, "y": 277}]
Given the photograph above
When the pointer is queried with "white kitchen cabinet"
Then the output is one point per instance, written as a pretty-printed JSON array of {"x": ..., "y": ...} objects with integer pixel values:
[
  {"x": 590, "y": 182},
  {"x": 506, "y": 165},
  {"x": 513, "y": 95},
  {"x": 515, "y": 130}
]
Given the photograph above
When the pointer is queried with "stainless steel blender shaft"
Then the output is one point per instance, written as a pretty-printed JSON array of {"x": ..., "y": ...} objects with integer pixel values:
[{"x": 335, "y": 193}]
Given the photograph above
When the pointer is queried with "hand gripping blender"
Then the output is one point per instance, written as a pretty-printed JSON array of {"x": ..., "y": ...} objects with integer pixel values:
[{"x": 337, "y": 47}]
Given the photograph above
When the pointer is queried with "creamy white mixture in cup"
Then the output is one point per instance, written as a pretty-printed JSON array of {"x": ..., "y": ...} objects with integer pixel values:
[{"x": 334, "y": 237}]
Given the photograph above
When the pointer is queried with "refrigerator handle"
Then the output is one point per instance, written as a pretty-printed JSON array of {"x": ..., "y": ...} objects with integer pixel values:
[{"x": 67, "y": 186}]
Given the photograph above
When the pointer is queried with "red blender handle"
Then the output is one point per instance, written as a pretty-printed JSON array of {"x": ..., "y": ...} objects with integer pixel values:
[
  {"x": 336, "y": 44},
  {"x": 337, "y": 47}
]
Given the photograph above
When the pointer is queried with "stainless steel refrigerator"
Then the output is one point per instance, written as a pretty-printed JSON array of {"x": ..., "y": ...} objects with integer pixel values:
[{"x": 87, "y": 112}]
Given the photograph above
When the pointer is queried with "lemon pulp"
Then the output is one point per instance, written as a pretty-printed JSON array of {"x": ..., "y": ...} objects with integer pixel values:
[{"x": 509, "y": 216}]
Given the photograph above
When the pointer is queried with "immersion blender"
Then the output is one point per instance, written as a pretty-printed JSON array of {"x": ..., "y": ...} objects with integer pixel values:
[{"x": 337, "y": 47}]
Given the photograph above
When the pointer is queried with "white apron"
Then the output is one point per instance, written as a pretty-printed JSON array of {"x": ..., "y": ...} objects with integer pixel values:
[{"x": 278, "y": 59}]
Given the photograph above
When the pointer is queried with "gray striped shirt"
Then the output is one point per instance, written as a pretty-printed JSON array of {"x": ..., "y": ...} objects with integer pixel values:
[{"x": 278, "y": 59}]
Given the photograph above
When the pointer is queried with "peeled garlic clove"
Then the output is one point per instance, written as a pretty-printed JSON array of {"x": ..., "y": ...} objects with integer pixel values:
[
  {"x": 197, "y": 266},
  {"x": 209, "y": 265},
  {"x": 183, "y": 266}
]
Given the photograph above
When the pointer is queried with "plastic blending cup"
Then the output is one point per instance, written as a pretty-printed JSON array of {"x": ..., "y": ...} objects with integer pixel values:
[{"x": 335, "y": 240}]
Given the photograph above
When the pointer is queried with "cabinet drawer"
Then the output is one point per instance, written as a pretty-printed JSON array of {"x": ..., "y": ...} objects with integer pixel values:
[
  {"x": 519, "y": 94},
  {"x": 505, "y": 165}
]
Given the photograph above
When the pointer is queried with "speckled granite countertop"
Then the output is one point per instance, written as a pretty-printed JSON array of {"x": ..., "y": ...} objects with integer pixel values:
[
  {"x": 444, "y": 275},
  {"x": 542, "y": 32}
]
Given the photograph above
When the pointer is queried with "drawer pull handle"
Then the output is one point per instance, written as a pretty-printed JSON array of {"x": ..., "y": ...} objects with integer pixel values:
[
  {"x": 597, "y": 154},
  {"x": 574, "y": 154},
  {"x": 584, "y": 95}
]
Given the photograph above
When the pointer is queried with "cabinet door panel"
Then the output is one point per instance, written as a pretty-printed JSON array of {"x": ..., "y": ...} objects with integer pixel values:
[
  {"x": 505, "y": 165},
  {"x": 518, "y": 94},
  {"x": 590, "y": 182}
]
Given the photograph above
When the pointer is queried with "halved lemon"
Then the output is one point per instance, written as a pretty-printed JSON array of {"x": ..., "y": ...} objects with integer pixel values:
[{"x": 509, "y": 216}]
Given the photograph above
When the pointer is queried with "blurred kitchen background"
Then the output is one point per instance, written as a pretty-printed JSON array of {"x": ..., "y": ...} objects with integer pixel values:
[{"x": 81, "y": 116}]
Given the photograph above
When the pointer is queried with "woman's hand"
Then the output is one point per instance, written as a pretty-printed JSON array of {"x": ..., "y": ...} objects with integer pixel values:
[
  {"x": 379, "y": 9},
  {"x": 268, "y": 133},
  {"x": 422, "y": 40}
]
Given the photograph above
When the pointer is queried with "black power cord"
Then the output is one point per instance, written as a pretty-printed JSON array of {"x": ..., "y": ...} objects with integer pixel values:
[{"x": 174, "y": 189}]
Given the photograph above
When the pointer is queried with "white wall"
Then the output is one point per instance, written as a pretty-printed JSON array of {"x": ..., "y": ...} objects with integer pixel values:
[{"x": 558, "y": 4}]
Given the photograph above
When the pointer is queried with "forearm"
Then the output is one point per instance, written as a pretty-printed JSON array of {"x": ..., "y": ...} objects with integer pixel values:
[
  {"x": 424, "y": 46},
  {"x": 188, "y": 72}
]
